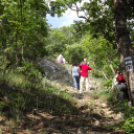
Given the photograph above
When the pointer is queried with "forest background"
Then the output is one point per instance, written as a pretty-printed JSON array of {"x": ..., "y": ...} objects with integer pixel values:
[{"x": 26, "y": 37}]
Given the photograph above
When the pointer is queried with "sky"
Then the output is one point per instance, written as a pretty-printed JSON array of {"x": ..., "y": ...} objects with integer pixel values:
[
  {"x": 66, "y": 20},
  {"x": 68, "y": 17}
]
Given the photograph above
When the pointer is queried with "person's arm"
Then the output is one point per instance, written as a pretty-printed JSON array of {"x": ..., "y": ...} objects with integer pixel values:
[
  {"x": 64, "y": 62},
  {"x": 89, "y": 68},
  {"x": 79, "y": 68}
]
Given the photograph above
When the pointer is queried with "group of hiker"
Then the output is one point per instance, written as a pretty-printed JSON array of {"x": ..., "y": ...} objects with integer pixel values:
[{"x": 80, "y": 75}]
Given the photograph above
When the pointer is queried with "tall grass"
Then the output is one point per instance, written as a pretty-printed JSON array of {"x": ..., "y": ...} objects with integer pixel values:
[
  {"x": 34, "y": 94},
  {"x": 104, "y": 94}
]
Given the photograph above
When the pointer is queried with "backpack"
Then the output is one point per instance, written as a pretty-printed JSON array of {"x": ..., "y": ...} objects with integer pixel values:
[
  {"x": 120, "y": 78},
  {"x": 86, "y": 64}
]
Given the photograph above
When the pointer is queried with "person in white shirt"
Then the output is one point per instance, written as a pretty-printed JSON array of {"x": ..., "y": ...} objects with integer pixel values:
[{"x": 114, "y": 83}]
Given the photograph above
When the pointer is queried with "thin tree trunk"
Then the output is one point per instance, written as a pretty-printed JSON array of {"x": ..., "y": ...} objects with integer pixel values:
[
  {"x": 23, "y": 53},
  {"x": 100, "y": 71},
  {"x": 23, "y": 47},
  {"x": 123, "y": 43},
  {"x": 21, "y": 11},
  {"x": 16, "y": 50},
  {"x": 111, "y": 66},
  {"x": 104, "y": 74},
  {"x": 4, "y": 44}
]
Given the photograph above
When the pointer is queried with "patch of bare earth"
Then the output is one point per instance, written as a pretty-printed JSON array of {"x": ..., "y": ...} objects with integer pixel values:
[{"x": 94, "y": 117}]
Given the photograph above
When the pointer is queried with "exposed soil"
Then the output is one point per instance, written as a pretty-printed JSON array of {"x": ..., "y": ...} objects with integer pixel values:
[{"x": 93, "y": 117}]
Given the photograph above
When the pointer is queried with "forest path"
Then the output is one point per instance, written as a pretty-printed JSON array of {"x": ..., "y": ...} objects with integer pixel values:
[
  {"x": 89, "y": 115},
  {"x": 93, "y": 117}
]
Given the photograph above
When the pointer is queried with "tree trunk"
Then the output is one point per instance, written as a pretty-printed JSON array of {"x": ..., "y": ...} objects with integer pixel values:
[
  {"x": 100, "y": 71},
  {"x": 123, "y": 43},
  {"x": 23, "y": 47},
  {"x": 110, "y": 64},
  {"x": 16, "y": 47}
]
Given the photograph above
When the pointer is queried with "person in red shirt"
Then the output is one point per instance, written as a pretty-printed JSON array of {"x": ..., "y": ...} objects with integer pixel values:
[{"x": 84, "y": 76}]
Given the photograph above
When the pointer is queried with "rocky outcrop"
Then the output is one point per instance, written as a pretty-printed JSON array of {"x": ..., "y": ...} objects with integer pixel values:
[{"x": 56, "y": 72}]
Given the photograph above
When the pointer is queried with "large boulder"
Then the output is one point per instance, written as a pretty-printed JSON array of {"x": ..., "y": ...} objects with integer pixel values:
[{"x": 56, "y": 71}]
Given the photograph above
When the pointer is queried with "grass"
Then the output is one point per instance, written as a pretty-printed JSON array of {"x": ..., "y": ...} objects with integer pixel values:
[
  {"x": 104, "y": 94},
  {"x": 42, "y": 95},
  {"x": 27, "y": 90},
  {"x": 20, "y": 96}
]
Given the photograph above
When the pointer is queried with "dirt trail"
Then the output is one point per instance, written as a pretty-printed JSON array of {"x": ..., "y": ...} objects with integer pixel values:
[{"x": 94, "y": 117}]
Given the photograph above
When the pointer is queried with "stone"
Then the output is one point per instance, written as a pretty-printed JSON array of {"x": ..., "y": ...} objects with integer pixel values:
[
  {"x": 56, "y": 72},
  {"x": 54, "y": 76},
  {"x": 104, "y": 105}
]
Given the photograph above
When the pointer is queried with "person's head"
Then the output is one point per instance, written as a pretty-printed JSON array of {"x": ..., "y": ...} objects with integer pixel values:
[
  {"x": 74, "y": 64},
  {"x": 85, "y": 60},
  {"x": 117, "y": 71}
]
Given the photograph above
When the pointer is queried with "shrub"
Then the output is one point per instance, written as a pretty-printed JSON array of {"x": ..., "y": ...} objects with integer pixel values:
[
  {"x": 129, "y": 122},
  {"x": 108, "y": 83}
]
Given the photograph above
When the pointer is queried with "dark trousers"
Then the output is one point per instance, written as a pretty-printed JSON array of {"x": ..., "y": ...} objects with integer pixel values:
[
  {"x": 122, "y": 86},
  {"x": 76, "y": 80}
]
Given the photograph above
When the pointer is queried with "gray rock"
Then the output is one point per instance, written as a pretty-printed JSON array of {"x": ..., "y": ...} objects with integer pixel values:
[
  {"x": 54, "y": 76},
  {"x": 56, "y": 72}
]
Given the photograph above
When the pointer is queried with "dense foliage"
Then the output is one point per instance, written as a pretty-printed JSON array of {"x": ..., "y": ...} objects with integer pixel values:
[
  {"x": 99, "y": 51},
  {"x": 23, "y": 30},
  {"x": 25, "y": 36}
]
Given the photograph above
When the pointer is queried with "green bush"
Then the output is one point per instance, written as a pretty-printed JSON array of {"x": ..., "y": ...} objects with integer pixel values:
[
  {"x": 74, "y": 53},
  {"x": 129, "y": 122},
  {"x": 108, "y": 83},
  {"x": 97, "y": 74},
  {"x": 104, "y": 94}
]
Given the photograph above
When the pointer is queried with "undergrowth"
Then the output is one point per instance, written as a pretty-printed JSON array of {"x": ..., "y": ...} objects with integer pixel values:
[
  {"x": 20, "y": 94},
  {"x": 24, "y": 91},
  {"x": 118, "y": 107}
]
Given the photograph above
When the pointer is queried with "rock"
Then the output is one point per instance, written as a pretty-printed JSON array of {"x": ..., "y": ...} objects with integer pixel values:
[
  {"x": 66, "y": 81},
  {"x": 15, "y": 89},
  {"x": 102, "y": 112},
  {"x": 80, "y": 131},
  {"x": 83, "y": 107},
  {"x": 96, "y": 116},
  {"x": 55, "y": 76},
  {"x": 93, "y": 132},
  {"x": 104, "y": 105},
  {"x": 56, "y": 93},
  {"x": 50, "y": 97},
  {"x": 56, "y": 72},
  {"x": 87, "y": 114},
  {"x": 77, "y": 95}
]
